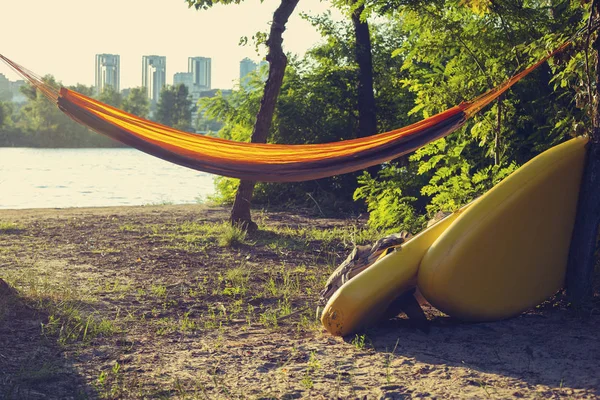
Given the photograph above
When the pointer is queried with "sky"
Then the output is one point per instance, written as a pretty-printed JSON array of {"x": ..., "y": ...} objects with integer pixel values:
[{"x": 62, "y": 37}]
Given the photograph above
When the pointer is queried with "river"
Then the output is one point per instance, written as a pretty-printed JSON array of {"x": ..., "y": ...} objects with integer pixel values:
[{"x": 60, "y": 178}]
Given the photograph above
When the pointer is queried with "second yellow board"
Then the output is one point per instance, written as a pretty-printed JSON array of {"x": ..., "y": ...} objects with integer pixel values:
[{"x": 509, "y": 251}]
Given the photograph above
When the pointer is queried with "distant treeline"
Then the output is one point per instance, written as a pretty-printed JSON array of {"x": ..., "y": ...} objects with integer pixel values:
[{"x": 39, "y": 123}]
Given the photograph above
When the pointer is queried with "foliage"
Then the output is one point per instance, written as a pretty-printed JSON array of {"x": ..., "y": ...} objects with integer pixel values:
[
  {"x": 137, "y": 102},
  {"x": 393, "y": 199},
  {"x": 174, "y": 107},
  {"x": 4, "y": 113},
  {"x": 39, "y": 123},
  {"x": 111, "y": 97},
  {"x": 453, "y": 52},
  {"x": 89, "y": 91}
]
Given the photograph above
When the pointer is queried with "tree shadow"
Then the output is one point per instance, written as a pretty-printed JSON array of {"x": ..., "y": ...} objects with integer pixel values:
[
  {"x": 32, "y": 366},
  {"x": 550, "y": 347}
]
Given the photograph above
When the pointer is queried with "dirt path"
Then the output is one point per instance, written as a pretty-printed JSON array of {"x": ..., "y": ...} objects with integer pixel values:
[{"x": 166, "y": 302}]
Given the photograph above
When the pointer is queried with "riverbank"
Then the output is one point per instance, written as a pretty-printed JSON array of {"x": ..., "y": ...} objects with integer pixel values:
[{"x": 169, "y": 302}]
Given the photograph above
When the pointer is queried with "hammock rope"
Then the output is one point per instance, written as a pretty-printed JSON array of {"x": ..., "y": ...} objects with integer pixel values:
[{"x": 263, "y": 162}]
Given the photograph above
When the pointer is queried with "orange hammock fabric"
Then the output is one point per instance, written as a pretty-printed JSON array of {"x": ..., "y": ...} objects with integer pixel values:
[{"x": 262, "y": 162}]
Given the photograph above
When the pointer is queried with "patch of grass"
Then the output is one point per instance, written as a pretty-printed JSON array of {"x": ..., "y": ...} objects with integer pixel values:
[
  {"x": 359, "y": 341},
  {"x": 231, "y": 235},
  {"x": 236, "y": 280},
  {"x": 117, "y": 286},
  {"x": 110, "y": 384},
  {"x": 186, "y": 324},
  {"x": 387, "y": 362},
  {"x": 69, "y": 318},
  {"x": 166, "y": 326},
  {"x": 312, "y": 366},
  {"x": 161, "y": 202},
  {"x": 10, "y": 227},
  {"x": 159, "y": 290},
  {"x": 128, "y": 228},
  {"x": 307, "y": 381},
  {"x": 270, "y": 288},
  {"x": 70, "y": 324},
  {"x": 269, "y": 319}
]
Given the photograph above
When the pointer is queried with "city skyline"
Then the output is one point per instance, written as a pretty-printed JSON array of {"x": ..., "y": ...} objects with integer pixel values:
[
  {"x": 107, "y": 73},
  {"x": 176, "y": 32}
]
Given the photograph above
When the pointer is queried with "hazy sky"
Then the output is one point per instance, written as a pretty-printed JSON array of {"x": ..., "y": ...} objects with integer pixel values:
[{"x": 61, "y": 37}]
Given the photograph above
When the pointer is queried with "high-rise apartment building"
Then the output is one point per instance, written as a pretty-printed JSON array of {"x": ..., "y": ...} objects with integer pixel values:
[
  {"x": 261, "y": 64},
  {"x": 200, "y": 68},
  {"x": 246, "y": 66},
  {"x": 108, "y": 71},
  {"x": 154, "y": 76},
  {"x": 184, "y": 78}
]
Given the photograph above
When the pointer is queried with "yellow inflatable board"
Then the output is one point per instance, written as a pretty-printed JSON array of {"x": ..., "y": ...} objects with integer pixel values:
[
  {"x": 363, "y": 299},
  {"x": 508, "y": 252}
]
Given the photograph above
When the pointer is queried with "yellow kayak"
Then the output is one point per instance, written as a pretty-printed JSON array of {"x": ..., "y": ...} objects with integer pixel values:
[{"x": 509, "y": 252}]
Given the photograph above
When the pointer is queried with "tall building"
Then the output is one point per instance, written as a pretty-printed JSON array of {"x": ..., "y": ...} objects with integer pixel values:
[
  {"x": 154, "y": 76},
  {"x": 200, "y": 68},
  {"x": 108, "y": 71},
  {"x": 246, "y": 66},
  {"x": 184, "y": 78}
]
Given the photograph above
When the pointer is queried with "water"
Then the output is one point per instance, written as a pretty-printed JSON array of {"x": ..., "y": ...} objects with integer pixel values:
[{"x": 58, "y": 178}]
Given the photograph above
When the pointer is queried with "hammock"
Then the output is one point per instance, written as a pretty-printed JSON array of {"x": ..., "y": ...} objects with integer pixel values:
[{"x": 256, "y": 161}]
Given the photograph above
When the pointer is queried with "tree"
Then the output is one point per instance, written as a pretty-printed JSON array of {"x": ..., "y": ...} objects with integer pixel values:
[
  {"x": 174, "y": 107},
  {"x": 317, "y": 104},
  {"x": 83, "y": 89},
  {"x": 111, "y": 97},
  {"x": 367, "y": 116},
  {"x": 137, "y": 102},
  {"x": 584, "y": 242},
  {"x": 5, "y": 96},
  {"x": 39, "y": 123},
  {"x": 452, "y": 53},
  {"x": 240, "y": 213},
  {"x": 3, "y": 114}
]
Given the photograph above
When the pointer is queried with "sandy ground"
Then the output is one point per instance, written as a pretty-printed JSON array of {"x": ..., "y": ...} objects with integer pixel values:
[{"x": 137, "y": 303}]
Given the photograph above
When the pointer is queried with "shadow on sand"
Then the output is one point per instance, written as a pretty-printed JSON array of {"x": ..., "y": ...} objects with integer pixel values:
[
  {"x": 32, "y": 366},
  {"x": 553, "y": 348}
]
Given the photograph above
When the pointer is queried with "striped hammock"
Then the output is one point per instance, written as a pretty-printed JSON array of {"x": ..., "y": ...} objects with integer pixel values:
[{"x": 262, "y": 162}]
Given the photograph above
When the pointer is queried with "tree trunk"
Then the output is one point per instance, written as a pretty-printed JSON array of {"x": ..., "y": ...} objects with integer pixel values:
[
  {"x": 367, "y": 117},
  {"x": 240, "y": 213},
  {"x": 580, "y": 270}
]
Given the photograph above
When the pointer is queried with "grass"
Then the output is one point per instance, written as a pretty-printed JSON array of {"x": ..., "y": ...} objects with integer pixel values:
[
  {"x": 360, "y": 341},
  {"x": 70, "y": 317},
  {"x": 10, "y": 227},
  {"x": 231, "y": 235},
  {"x": 194, "y": 279}
]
